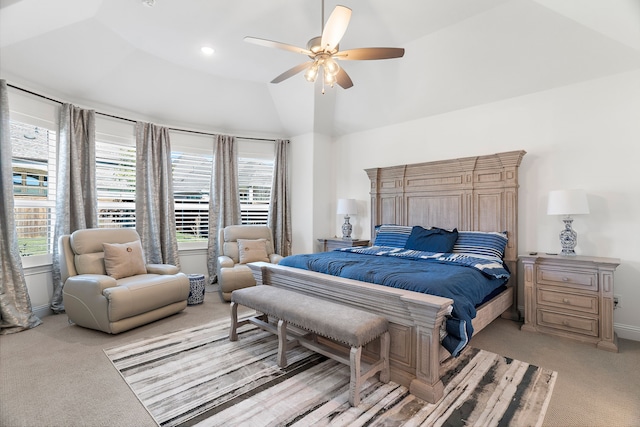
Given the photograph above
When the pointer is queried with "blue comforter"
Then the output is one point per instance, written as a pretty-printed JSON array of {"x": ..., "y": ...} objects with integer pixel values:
[{"x": 466, "y": 280}]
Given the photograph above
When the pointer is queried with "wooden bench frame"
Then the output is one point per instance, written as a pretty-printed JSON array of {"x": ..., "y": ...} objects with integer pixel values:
[{"x": 288, "y": 339}]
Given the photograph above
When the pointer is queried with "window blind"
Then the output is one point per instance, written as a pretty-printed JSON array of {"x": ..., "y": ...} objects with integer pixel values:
[{"x": 33, "y": 176}]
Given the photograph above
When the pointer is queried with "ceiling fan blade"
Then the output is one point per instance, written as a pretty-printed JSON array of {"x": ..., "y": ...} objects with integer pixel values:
[
  {"x": 343, "y": 79},
  {"x": 277, "y": 45},
  {"x": 292, "y": 72},
  {"x": 336, "y": 26},
  {"x": 365, "y": 53}
]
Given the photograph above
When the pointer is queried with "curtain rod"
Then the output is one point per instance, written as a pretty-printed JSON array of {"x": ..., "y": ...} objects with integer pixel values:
[
  {"x": 197, "y": 132},
  {"x": 131, "y": 120}
]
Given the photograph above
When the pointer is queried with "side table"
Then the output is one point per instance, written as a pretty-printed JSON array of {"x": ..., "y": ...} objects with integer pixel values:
[
  {"x": 570, "y": 296},
  {"x": 196, "y": 289},
  {"x": 332, "y": 243}
]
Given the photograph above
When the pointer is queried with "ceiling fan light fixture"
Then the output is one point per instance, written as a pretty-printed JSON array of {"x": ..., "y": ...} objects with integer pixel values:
[
  {"x": 331, "y": 66},
  {"x": 329, "y": 79},
  {"x": 312, "y": 73}
]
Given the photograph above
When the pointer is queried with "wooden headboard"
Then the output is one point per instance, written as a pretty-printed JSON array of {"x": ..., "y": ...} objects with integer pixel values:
[{"x": 471, "y": 193}]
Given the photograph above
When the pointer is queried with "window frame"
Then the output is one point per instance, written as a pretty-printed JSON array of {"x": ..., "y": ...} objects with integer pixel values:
[{"x": 45, "y": 118}]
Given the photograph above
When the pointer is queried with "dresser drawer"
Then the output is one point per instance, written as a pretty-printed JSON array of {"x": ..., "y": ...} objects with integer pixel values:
[
  {"x": 567, "y": 277},
  {"x": 569, "y": 323},
  {"x": 564, "y": 300}
]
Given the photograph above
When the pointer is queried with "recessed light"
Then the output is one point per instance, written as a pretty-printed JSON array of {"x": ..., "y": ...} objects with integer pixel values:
[{"x": 207, "y": 50}]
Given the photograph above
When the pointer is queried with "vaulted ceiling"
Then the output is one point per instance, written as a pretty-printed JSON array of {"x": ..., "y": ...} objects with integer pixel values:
[{"x": 119, "y": 56}]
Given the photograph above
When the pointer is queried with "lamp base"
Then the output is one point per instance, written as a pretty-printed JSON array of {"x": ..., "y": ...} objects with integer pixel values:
[
  {"x": 568, "y": 238},
  {"x": 347, "y": 228}
]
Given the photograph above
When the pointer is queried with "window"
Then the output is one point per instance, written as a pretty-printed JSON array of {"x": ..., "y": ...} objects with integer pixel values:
[
  {"x": 115, "y": 173},
  {"x": 33, "y": 162},
  {"x": 255, "y": 173},
  {"x": 254, "y": 181},
  {"x": 116, "y": 184},
  {"x": 191, "y": 184},
  {"x": 191, "y": 161}
]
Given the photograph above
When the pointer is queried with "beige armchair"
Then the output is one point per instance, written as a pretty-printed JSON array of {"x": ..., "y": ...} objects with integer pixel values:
[
  {"x": 107, "y": 285},
  {"x": 239, "y": 245}
]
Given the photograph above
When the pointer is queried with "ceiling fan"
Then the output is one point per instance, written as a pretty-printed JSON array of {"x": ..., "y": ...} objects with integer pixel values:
[{"x": 324, "y": 51}]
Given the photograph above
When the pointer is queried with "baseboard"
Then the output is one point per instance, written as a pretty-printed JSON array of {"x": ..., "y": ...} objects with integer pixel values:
[
  {"x": 42, "y": 311},
  {"x": 627, "y": 332}
]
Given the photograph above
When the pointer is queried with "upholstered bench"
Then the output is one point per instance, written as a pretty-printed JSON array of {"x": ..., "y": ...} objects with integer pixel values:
[{"x": 339, "y": 323}]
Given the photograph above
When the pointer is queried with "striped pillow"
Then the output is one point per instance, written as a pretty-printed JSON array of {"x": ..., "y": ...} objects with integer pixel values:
[
  {"x": 392, "y": 235},
  {"x": 481, "y": 244}
]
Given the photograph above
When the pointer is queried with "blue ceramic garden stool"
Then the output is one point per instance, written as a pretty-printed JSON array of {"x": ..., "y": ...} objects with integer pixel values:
[{"x": 196, "y": 285}]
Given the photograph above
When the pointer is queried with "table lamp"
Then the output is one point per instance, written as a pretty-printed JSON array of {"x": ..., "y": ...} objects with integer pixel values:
[
  {"x": 347, "y": 207},
  {"x": 567, "y": 203}
]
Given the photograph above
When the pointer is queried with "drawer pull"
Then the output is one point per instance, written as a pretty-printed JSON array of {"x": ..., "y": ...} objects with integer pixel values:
[
  {"x": 565, "y": 323},
  {"x": 565, "y": 279},
  {"x": 566, "y": 300}
]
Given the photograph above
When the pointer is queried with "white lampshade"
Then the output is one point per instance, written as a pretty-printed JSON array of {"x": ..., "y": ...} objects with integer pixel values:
[
  {"x": 347, "y": 207},
  {"x": 567, "y": 202}
]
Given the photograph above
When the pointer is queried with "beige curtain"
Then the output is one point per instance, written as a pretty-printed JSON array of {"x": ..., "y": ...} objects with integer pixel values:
[
  {"x": 155, "y": 210},
  {"x": 224, "y": 198},
  {"x": 76, "y": 200},
  {"x": 15, "y": 305},
  {"x": 280, "y": 208}
]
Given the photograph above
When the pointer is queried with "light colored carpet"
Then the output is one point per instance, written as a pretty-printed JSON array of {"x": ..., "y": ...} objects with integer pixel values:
[
  {"x": 198, "y": 377},
  {"x": 57, "y": 374}
]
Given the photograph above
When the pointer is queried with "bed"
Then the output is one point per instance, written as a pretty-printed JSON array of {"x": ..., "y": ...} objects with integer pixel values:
[{"x": 472, "y": 194}]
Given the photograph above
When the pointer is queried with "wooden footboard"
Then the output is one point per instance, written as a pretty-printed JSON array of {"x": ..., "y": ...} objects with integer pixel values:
[{"x": 414, "y": 318}]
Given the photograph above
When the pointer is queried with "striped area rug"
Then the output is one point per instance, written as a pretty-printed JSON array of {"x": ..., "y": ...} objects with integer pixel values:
[{"x": 198, "y": 377}]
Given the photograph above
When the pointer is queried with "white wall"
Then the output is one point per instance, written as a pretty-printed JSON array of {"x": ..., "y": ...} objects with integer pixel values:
[
  {"x": 585, "y": 135},
  {"x": 312, "y": 184}
]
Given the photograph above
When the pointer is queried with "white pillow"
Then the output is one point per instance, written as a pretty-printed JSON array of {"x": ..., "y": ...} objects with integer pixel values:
[
  {"x": 124, "y": 259},
  {"x": 252, "y": 250}
]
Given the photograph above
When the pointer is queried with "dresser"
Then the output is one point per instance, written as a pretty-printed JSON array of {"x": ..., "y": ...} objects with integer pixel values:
[
  {"x": 336, "y": 242},
  {"x": 570, "y": 296}
]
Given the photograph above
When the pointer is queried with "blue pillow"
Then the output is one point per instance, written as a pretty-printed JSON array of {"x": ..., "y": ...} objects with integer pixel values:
[
  {"x": 392, "y": 235},
  {"x": 480, "y": 244},
  {"x": 431, "y": 239}
]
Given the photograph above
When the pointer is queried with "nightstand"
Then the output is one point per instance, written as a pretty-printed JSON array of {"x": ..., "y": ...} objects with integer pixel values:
[
  {"x": 336, "y": 242},
  {"x": 570, "y": 296}
]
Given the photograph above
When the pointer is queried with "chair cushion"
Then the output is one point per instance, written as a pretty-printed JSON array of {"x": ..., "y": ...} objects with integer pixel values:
[
  {"x": 90, "y": 240},
  {"x": 230, "y": 235},
  {"x": 124, "y": 259},
  {"x": 88, "y": 250},
  {"x": 252, "y": 250},
  {"x": 144, "y": 293}
]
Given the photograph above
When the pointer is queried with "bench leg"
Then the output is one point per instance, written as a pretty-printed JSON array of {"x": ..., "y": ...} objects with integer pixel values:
[
  {"x": 385, "y": 342},
  {"x": 233, "y": 333},
  {"x": 355, "y": 384},
  {"x": 282, "y": 343}
]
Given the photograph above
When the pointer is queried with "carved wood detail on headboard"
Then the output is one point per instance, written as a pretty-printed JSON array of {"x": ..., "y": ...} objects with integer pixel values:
[{"x": 472, "y": 193}]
